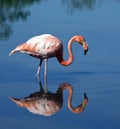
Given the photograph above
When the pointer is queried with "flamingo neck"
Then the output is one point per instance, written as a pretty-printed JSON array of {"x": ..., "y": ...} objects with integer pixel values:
[
  {"x": 70, "y": 52},
  {"x": 70, "y": 58}
]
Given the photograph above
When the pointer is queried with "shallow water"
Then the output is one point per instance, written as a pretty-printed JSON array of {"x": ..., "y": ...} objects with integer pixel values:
[{"x": 97, "y": 74}]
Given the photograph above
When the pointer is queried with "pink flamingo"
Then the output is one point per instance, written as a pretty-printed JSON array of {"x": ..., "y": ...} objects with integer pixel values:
[{"x": 46, "y": 46}]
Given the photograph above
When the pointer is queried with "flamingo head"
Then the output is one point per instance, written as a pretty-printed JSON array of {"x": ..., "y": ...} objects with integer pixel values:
[
  {"x": 85, "y": 47},
  {"x": 81, "y": 40}
]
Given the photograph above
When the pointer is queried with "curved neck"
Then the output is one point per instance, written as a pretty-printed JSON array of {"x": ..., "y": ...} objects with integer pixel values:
[
  {"x": 71, "y": 57},
  {"x": 79, "y": 108}
]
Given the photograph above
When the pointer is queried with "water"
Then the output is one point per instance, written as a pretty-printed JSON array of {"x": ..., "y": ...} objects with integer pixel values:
[{"x": 97, "y": 74}]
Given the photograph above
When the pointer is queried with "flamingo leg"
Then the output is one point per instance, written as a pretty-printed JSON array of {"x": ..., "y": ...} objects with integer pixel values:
[
  {"x": 38, "y": 71},
  {"x": 45, "y": 75}
]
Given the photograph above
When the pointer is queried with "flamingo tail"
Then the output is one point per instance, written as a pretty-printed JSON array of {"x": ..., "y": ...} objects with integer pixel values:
[{"x": 17, "y": 49}]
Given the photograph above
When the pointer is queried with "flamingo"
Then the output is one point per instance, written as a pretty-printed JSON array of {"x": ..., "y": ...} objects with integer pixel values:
[{"x": 46, "y": 46}]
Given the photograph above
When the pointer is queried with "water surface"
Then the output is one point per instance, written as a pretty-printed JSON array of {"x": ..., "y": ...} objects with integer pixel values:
[{"x": 97, "y": 74}]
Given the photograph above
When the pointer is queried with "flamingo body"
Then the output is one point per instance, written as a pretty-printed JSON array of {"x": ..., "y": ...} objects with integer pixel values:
[
  {"x": 46, "y": 46},
  {"x": 43, "y": 46}
]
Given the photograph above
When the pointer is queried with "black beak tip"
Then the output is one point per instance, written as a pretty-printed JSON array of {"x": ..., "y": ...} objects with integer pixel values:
[{"x": 85, "y": 52}]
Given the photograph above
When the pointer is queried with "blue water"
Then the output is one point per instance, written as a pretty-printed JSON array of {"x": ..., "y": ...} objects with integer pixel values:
[{"x": 97, "y": 73}]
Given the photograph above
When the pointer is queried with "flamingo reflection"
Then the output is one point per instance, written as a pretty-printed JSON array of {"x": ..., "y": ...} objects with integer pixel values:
[{"x": 47, "y": 103}]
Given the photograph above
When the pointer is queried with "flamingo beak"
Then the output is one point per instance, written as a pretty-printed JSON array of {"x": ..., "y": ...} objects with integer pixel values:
[
  {"x": 85, "y": 47},
  {"x": 85, "y": 51}
]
